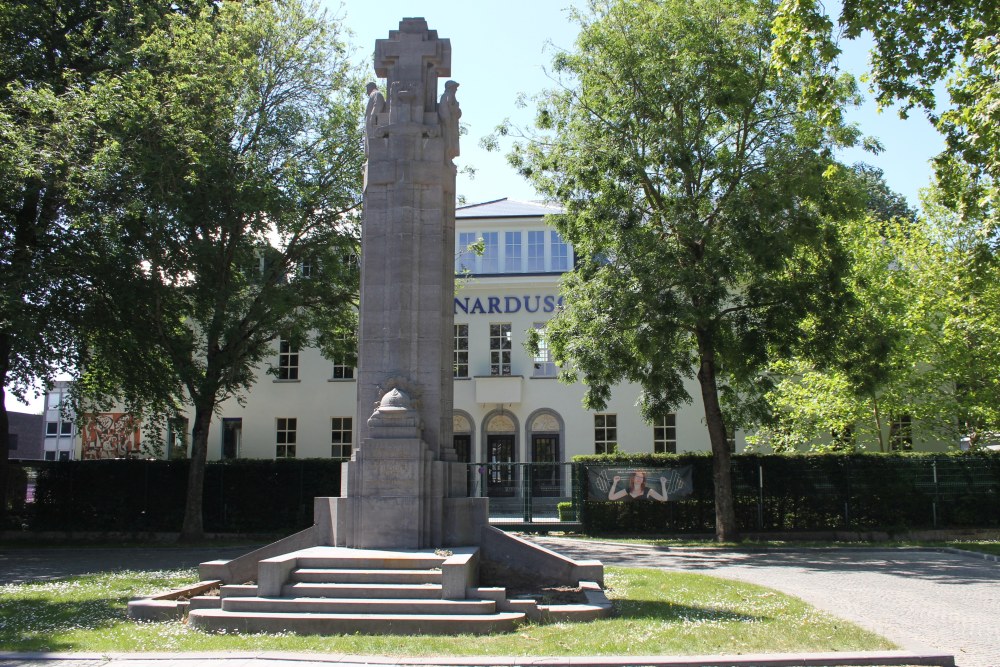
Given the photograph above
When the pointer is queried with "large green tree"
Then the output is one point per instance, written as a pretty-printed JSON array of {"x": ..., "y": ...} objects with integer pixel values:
[
  {"x": 698, "y": 200},
  {"x": 919, "y": 47},
  {"x": 50, "y": 54},
  {"x": 231, "y": 162}
]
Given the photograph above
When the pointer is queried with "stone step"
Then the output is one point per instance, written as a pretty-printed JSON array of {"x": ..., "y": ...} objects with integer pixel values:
[
  {"x": 362, "y": 591},
  {"x": 372, "y": 560},
  {"x": 348, "y": 576},
  {"x": 367, "y": 624},
  {"x": 238, "y": 590},
  {"x": 359, "y": 606}
]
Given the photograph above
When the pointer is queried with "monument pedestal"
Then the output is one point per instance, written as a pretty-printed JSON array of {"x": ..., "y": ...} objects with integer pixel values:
[{"x": 396, "y": 494}]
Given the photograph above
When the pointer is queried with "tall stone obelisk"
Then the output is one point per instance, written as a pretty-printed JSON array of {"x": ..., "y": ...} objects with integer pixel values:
[{"x": 402, "y": 487}]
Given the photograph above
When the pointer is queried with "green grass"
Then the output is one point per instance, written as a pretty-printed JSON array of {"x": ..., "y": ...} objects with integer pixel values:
[{"x": 656, "y": 613}]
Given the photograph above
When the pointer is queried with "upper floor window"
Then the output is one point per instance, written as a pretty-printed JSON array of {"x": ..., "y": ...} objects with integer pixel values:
[
  {"x": 343, "y": 369},
  {"x": 288, "y": 361},
  {"x": 461, "y": 361},
  {"x": 544, "y": 366},
  {"x": 560, "y": 253},
  {"x": 51, "y": 429},
  {"x": 465, "y": 259},
  {"x": 665, "y": 434},
  {"x": 66, "y": 428},
  {"x": 490, "y": 261},
  {"x": 512, "y": 252},
  {"x": 500, "y": 348},
  {"x": 605, "y": 434},
  {"x": 536, "y": 252}
]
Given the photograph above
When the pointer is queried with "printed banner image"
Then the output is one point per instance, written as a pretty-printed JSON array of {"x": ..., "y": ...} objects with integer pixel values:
[{"x": 619, "y": 483}]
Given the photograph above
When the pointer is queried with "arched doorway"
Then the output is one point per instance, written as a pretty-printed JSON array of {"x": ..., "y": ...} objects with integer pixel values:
[
  {"x": 461, "y": 427},
  {"x": 500, "y": 454},
  {"x": 545, "y": 437}
]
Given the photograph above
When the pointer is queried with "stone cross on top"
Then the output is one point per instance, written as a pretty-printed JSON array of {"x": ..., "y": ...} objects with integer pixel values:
[{"x": 414, "y": 55}]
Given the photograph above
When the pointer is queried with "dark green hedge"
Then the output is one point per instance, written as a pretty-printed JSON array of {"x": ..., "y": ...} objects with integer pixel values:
[
  {"x": 815, "y": 492},
  {"x": 243, "y": 496}
]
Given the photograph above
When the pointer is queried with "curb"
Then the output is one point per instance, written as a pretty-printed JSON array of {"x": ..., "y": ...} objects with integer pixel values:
[{"x": 845, "y": 659}]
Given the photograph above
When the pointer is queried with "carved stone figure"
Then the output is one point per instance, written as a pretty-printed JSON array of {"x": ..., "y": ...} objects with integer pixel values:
[
  {"x": 449, "y": 112},
  {"x": 375, "y": 106}
]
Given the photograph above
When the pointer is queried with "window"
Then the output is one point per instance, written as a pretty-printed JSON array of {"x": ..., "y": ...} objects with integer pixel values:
[
  {"x": 605, "y": 434},
  {"x": 536, "y": 251},
  {"x": 465, "y": 259},
  {"x": 305, "y": 268},
  {"x": 51, "y": 429},
  {"x": 500, "y": 349},
  {"x": 491, "y": 253},
  {"x": 461, "y": 361},
  {"x": 288, "y": 361},
  {"x": 50, "y": 456},
  {"x": 512, "y": 252},
  {"x": 55, "y": 398},
  {"x": 285, "y": 438},
  {"x": 901, "y": 434},
  {"x": 544, "y": 366},
  {"x": 66, "y": 428},
  {"x": 177, "y": 441},
  {"x": 560, "y": 253},
  {"x": 665, "y": 434},
  {"x": 343, "y": 369},
  {"x": 341, "y": 436}
]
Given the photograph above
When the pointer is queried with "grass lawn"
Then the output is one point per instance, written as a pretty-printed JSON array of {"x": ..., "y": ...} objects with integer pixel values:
[{"x": 656, "y": 613}]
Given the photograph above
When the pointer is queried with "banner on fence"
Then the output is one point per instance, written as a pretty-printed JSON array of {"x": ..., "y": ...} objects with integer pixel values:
[{"x": 631, "y": 483}]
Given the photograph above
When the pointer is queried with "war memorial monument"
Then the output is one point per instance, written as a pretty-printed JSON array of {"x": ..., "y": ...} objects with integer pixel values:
[{"x": 403, "y": 549}]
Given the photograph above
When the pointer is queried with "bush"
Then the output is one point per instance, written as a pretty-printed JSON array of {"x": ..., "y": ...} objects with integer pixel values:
[{"x": 810, "y": 492}]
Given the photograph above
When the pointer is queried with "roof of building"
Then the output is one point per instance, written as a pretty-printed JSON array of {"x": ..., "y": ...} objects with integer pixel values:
[{"x": 506, "y": 208}]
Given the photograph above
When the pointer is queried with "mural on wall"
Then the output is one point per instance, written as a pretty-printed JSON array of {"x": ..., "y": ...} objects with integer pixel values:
[{"x": 109, "y": 435}]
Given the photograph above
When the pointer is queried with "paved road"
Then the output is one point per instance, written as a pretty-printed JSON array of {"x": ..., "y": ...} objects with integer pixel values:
[{"x": 918, "y": 599}]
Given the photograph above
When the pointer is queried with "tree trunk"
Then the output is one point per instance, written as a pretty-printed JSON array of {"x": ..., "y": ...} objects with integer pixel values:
[
  {"x": 725, "y": 512},
  {"x": 4, "y": 429},
  {"x": 193, "y": 528}
]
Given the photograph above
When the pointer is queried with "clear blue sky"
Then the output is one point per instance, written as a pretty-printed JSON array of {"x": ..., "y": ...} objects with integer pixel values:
[{"x": 502, "y": 49}]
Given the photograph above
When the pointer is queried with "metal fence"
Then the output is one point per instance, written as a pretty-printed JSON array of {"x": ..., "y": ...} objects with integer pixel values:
[{"x": 527, "y": 492}]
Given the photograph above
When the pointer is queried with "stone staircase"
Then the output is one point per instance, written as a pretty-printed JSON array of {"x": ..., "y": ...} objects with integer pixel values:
[{"x": 333, "y": 590}]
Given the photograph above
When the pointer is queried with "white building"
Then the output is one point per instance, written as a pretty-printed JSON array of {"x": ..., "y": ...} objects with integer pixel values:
[{"x": 509, "y": 406}]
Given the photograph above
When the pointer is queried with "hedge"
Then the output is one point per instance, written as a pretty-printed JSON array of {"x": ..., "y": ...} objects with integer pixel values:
[
  {"x": 813, "y": 492},
  {"x": 122, "y": 495}
]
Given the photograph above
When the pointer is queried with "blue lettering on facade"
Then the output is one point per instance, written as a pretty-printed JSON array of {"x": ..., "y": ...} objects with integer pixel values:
[{"x": 530, "y": 303}]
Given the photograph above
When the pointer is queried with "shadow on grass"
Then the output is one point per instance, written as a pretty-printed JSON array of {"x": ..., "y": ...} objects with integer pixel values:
[
  {"x": 654, "y": 610},
  {"x": 42, "y": 625}
]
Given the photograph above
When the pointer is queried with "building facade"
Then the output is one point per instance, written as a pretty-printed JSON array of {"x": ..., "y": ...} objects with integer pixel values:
[{"x": 509, "y": 406}]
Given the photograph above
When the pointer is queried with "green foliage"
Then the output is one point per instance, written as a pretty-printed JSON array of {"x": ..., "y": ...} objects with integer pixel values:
[
  {"x": 918, "y": 45},
  {"x": 222, "y": 203},
  {"x": 698, "y": 200}
]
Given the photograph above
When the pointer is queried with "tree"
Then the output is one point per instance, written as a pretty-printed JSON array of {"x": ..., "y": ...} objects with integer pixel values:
[
  {"x": 231, "y": 165},
  {"x": 917, "y": 46},
  {"x": 50, "y": 54},
  {"x": 697, "y": 198},
  {"x": 921, "y": 340}
]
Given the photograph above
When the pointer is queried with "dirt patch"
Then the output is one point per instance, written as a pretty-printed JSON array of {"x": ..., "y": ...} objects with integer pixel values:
[{"x": 548, "y": 595}]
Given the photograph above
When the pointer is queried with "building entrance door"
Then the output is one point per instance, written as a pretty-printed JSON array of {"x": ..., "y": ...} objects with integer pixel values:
[
  {"x": 500, "y": 477},
  {"x": 545, "y": 471}
]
